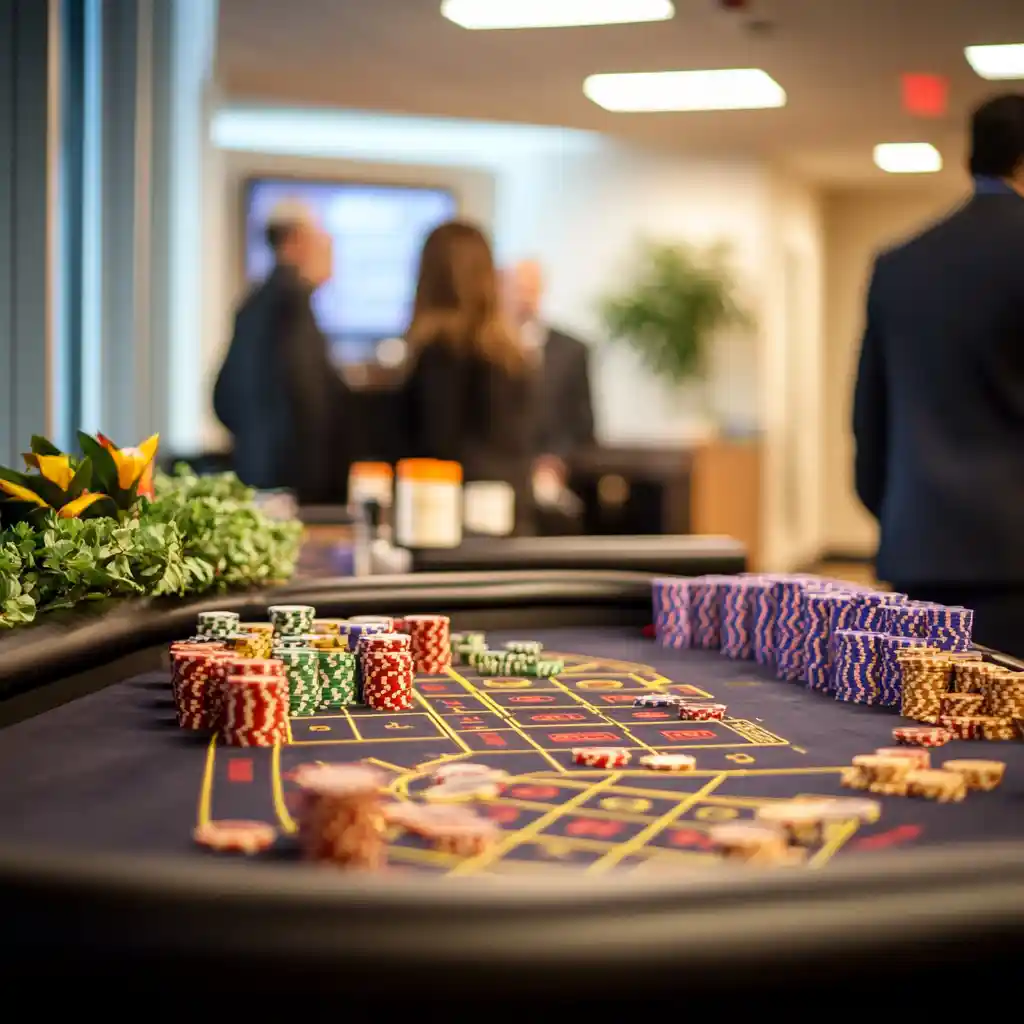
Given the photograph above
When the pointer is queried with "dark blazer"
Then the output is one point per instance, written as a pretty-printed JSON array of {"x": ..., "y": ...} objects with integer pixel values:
[
  {"x": 939, "y": 403},
  {"x": 280, "y": 397},
  {"x": 564, "y": 416},
  {"x": 468, "y": 410}
]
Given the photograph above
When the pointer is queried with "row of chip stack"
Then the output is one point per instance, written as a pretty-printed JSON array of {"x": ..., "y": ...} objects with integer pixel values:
[{"x": 831, "y": 636}]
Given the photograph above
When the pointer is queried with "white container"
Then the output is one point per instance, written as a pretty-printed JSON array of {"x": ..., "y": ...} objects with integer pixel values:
[
  {"x": 428, "y": 504},
  {"x": 489, "y": 507}
]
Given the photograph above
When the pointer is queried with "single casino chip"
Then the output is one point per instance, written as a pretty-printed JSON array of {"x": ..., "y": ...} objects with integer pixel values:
[
  {"x": 460, "y": 769},
  {"x": 668, "y": 762},
  {"x": 227, "y": 836},
  {"x": 922, "y": 736},
  {"x": 601, "y": 757},
  {"x": 918, "y": 756}
]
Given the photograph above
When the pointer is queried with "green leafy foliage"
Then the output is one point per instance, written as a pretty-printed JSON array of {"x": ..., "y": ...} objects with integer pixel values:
[
  {"x": 679, "y": 297},
  {"x": 198, "y": 535}
]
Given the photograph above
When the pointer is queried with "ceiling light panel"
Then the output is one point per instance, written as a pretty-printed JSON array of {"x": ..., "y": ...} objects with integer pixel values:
[
  {"x": 908, "y": 158},
  {"x": 482, "y": 15},
  {"x": 997, "y": 63},
  {"x": 727, "y": 89}
]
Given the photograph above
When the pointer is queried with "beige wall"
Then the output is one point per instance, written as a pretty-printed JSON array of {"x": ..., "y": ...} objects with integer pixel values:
[{"x": 857, "y": 226}]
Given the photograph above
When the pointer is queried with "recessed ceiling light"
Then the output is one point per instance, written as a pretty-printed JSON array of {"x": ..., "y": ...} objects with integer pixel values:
[
  {"x": 908, "y": 158},
  {"x": 494, "y": 14},
  {"x": 729, "y": 89},
  {"x": 997, "y": 62}
]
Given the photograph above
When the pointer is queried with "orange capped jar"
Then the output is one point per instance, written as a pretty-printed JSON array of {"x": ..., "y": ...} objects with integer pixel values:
[{"x": 428, "y": 504}]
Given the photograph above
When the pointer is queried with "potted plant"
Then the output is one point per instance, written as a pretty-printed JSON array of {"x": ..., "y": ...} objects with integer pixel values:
[{"x": 679, "y": 297}]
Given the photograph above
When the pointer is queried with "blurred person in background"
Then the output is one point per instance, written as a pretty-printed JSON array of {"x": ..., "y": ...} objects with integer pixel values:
[
  {"x": 278, "y": 392},
  {"x": 469, "y": 387},
  {"x": 939, "y": 402},
  {"x": 564, "y": 417}
]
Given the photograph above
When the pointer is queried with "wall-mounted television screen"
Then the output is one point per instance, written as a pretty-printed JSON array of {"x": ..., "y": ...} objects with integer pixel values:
[{"x": 378, "y": 231}]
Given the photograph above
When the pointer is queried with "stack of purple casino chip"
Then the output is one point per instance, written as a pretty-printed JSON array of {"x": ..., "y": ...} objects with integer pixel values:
[
  {"x": 789, "y": 628},
  {"x": 737, "y": 611},
  {"x": 950, "y": 628},
  {"x": 670, "y": 597},
  {"x": 706, "y": 610},
  {"x": 821, "y": 608},
  {"x": 890, "y": 672}
]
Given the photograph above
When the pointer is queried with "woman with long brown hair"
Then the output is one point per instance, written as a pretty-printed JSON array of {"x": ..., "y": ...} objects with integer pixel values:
[{"x": 469, "y": 389}]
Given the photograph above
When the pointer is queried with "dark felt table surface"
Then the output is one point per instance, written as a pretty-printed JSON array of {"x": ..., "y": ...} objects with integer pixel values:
[{"x": 111, "y": 770}]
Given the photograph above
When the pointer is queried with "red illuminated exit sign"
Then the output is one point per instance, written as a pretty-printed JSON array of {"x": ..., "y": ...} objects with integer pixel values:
[{"x": 925, "y": 95}]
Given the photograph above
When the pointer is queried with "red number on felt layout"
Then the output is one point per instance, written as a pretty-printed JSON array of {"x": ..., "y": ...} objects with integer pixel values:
[
  {"x": 691, "y": 838},
  {"x": 646, "y": 715},
  {"x": 533, "y": 792},
  {"x": 895, "y": 836},
  {"x": 559, "y": 716},
  {"x": 432, "y": 687},
  {"x": 599, "y": 828},
  {"x": 618, "y": 698},
  {"x": 493, "y": 739},
  {"x": 579, "y": 738},
  {"x": 687, "y": 734},
  {"x": 502, "y": 815},
  {"x": 532, "y": 698},
  {"x": 471, "y": 720}
]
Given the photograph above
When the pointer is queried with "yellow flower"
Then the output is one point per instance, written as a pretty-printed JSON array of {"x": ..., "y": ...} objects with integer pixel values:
[
  {"x": 132, "y": 462},
  {"x": 57, "y": 469},
  {"x": 21, "y": 493},
  {"x": 73, "y": 509}
]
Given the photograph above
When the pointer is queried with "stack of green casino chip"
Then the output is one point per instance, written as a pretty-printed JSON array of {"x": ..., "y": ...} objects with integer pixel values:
[
  {"x": 302, "y": 669},
  {"x": 338, "y": 683},
  {"x": 291, "y": 619},
  {"x": 463, "y": 645},
  {"x": 524, "y": 661},
  {"x": 217, "y": 625}
]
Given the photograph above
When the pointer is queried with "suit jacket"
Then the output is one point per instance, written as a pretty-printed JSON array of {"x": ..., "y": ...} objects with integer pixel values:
[
  {"x": 468, "y": 410},
  {"x": 564, "y": 414},
  {"x": 280, "y": 397},
  {"x": 939, "y": 401}
]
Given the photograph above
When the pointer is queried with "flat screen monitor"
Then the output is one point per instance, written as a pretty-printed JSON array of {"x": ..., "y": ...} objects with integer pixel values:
[{"x": 378, "y": 231}]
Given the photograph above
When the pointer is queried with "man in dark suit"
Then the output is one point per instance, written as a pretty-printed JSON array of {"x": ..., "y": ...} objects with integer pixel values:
[
  {"x": 278, "y": 392},
  {"x": 564, "y": 417},
  {"x": 939, "y": 402}
]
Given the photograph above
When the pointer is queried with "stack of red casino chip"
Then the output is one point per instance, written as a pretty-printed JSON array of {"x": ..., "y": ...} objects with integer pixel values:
[
  {"x": 387, "y": 680},
  {"x": 431, "y": 643},
  {"x": 702, "y": 712},
  {"x": 197, "y": 679},
  {"x": 341, "y": 816},
  {"x": 255, "y": 707}
]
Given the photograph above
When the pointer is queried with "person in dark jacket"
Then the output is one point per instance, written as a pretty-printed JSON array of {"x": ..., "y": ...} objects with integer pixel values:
[
  {"x": 563, "y": 415},
  {"x": 468, "y": 391},
  {"x": 278, "y": 392},
  {"x": 939, "y": 403}
]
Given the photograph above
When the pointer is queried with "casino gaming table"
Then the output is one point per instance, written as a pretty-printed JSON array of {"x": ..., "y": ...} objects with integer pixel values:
[{"x": 603, "y": 884}]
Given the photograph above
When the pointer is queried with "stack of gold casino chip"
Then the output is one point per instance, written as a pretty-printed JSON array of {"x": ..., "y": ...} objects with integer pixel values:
[
  {"x": 886, "y": 774},
  {"x": 751, "y": 842},
  {"x": 926, "y": 677},
  {"x": 259, "y": 642},
  {"x": 1004, "y": 694},
  {"x": 971, "y": 676},
  {"x": 959, "y": 705},
  {"x": 802, "y": 821},
  {"x": 942, "y": 786},
  {"x": 983, "y": 775},
  {"x": 855, "y": 778}
]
